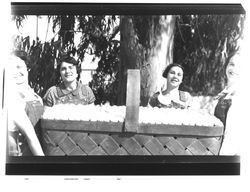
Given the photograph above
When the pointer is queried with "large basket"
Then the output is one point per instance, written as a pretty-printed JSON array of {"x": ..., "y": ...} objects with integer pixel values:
[
  {"x": 139, "y": 132},
  {"x": 66, "y": 137}
]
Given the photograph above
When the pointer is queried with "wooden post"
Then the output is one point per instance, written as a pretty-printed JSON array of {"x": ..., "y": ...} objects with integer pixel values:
[{"x": 132, "y": 100}]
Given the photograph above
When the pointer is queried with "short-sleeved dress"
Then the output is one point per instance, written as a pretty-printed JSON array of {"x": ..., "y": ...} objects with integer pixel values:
[
  {"x": 60, "y": 95},
  {"x": 184, "y": 97}
]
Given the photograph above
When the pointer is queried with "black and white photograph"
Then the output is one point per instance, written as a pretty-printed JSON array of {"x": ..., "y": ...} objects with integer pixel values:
[{"x": 109, "y": 89}]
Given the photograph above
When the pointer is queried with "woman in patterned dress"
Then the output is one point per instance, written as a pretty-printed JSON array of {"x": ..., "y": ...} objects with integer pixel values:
[{"x": 70, "y": 90}]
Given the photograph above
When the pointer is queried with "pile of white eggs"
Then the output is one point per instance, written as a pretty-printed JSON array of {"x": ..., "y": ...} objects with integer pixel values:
[
  {"x": 75, "y": 112},
  {"x": 177, "y": 117},
  {"x": 147, "y": 115}
]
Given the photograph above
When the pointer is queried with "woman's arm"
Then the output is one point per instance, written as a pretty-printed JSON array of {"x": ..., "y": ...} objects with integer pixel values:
[{"x": 23, "y": 123}]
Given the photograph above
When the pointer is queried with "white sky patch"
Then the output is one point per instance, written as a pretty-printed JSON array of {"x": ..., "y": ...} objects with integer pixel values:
[{"x": 34, "y": 26}]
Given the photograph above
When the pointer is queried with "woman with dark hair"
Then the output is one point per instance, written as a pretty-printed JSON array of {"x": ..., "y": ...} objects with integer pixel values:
[
  {"x": 225, "y": 96},
  {"x": 171, "y": 97},
  {"x": 70, "y": 90}
]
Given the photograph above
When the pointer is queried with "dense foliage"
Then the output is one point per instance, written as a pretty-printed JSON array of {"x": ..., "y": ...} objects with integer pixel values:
[
  {"x": 98, "y": 39},
  {"x": 201, "y": 45}
]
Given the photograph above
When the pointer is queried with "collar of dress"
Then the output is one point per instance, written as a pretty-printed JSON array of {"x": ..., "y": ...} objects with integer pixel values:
[
  {"x": 166, "y": 100},
  {"x": 64, "y": 91}
]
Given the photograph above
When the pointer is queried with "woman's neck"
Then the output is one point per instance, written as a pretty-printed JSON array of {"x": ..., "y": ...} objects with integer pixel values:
[
  {"x": 23, "y": 87},
  {"x": 70, "y": 86},
  {"x": 170, "y": 90},
  {"x": 230, "y": 83}
]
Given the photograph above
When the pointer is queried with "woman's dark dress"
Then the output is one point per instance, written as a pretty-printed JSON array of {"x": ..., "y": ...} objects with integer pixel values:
[{"x": 222, "y": 108}]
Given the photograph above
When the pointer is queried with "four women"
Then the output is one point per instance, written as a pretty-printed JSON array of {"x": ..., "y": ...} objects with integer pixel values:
[{"x": 23, "y": 135}]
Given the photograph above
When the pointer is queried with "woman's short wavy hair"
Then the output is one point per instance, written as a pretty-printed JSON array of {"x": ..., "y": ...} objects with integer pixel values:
[
  {"x": 167, "y": 69},
  {"x": 69, "y": 59}
]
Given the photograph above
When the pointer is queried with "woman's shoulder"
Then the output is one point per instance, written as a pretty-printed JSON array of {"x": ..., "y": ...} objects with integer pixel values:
[
  {"x": 153, "y": 100},
  {"x": 87, "y": 91},
  {"x": 155, "y": 95},
  {"x": 50, "y": 96}
]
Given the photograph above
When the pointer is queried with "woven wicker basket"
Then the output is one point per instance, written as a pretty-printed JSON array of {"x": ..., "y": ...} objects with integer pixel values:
[
  {"x": 132, "y": 135},
  {"x": 65, "y": 137}
]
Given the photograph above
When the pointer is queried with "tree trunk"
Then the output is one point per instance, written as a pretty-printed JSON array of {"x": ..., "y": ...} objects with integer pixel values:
[{"x": 151, "y": 58}]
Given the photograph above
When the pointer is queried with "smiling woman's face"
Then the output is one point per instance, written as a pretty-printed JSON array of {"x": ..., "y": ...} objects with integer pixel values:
[
  {"x": 175, "y": 76},
  {"x": 232, "y": 69},
  {"x": 20, "y": 73},
  {"x": 68, "y": 72}
]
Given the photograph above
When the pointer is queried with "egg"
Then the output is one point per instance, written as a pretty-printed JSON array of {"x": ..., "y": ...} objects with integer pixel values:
[{"x": 147, "y": 115}]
